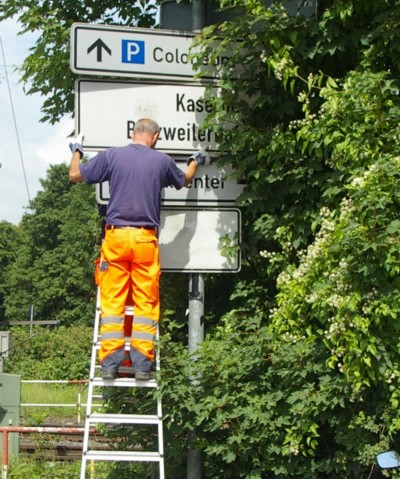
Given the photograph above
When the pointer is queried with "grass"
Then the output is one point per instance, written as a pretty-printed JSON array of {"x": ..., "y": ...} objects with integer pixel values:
[
  {"x": 28, "y": 468},
  {"x": 49, "y": 393}
]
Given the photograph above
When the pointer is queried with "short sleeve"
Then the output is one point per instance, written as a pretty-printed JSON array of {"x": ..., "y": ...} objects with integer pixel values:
[
  {"x": 175, "y": 176},
  {"x": 96, "y": 170}
]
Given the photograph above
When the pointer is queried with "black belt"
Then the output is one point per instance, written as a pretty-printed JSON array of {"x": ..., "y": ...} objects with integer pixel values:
[{"x": 112, "y": 227}]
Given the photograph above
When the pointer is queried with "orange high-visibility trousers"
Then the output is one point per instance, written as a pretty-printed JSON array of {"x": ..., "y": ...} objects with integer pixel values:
[{"x": 129, "y": 273}]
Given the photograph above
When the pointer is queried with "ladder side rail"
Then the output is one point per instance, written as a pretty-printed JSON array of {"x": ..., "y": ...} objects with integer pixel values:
[
  {"x": 160, "y": 440},
  {"x": 86, "y": 433},
  {"x": 159, "y": 411}
]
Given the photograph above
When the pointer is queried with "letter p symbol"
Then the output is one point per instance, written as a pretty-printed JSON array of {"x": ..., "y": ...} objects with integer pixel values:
[{"x": 133, "y": 51}]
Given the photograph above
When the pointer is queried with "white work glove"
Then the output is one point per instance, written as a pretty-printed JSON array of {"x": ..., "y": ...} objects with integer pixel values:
[
  {"x": 76, "y": 144},
  {"x": 201, "y": 157}
]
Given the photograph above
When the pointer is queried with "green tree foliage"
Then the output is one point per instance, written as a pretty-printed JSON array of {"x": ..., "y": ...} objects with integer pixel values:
[
  {"x": 53, "y": 268},
  {"x": 48, "y": 263},
  {"x": 50, "y": 353},
  {"x": 9, "y": 244},
  {"x": 46, "y": 69}
]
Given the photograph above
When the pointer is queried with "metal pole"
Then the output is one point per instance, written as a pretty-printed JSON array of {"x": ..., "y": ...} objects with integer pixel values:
[
  {"x": 196, "y": 288},
  {"x": 31, "y": 318},
  {"x": 199, "y": 14},
  {"x": 4, "y": 468},
  {"x": 196, "y": 336}
]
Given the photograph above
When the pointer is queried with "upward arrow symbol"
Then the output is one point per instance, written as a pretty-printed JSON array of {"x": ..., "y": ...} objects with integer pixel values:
[{"x": 99, "y": 45}]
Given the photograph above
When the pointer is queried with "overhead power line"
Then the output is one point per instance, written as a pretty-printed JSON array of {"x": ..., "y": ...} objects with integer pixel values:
[{"x": 15, "y": 121}]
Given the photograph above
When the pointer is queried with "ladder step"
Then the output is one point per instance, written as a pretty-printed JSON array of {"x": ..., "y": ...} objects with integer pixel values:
[
  {"x": 124, "y": 382},
  {"x": 124, "y": 456},
  {"x": 96, "y": 418}
]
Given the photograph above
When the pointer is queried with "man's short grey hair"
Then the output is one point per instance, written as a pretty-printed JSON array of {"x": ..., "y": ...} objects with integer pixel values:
[{"x": 146, "y": 125}]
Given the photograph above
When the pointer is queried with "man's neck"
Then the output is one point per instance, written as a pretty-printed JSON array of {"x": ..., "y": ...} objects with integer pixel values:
[
  {"x": 145, "y": 139},
  {"x": 138, "y": 142}
]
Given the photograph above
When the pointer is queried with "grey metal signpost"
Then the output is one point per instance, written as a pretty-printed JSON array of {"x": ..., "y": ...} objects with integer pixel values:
[{"x": 196, "y": 292}]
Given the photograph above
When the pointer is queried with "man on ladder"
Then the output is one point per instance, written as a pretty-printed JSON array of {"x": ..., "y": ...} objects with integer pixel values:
[{"x": 136, "y": 173}]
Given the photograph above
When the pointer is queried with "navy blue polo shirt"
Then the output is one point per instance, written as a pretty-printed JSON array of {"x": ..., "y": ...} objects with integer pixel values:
[{"x": 136, "y": 175}]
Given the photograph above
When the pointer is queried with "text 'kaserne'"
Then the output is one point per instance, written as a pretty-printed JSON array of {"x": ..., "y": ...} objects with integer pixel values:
[{"x": 198, "y": 105}]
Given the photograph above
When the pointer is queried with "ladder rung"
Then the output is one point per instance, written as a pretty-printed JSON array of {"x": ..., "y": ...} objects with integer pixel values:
[
  {"x": 123, "y": 456},
  {"x": 123, "y": 418},
  {"x": 124, "y": 382}
]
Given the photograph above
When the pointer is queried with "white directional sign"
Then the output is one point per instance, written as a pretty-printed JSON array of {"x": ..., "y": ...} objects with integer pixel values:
[
  {"x": 106, "y": 112},
  {"x": 210, "y": 187},
  {"x": 131, "y": 52},
  {"x": 193, "y": 240}
]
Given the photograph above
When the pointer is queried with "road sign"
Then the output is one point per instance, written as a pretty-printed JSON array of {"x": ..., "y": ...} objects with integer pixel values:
[
  {"x": 192, "y": 240},
  {"x": 106, "y": 112},
  {"x": 132, "y": 52},
  {"x": 210, "y": 187}
]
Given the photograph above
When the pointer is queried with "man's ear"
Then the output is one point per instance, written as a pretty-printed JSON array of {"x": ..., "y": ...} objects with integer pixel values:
[{"x": 155, "y": 138}]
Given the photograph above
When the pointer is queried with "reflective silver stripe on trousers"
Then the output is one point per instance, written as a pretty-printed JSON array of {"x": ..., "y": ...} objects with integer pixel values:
[
  {"x": 112, "y": 335},
  {"x": 140, "y": 335},
  {"x": 112, "y": 319},
  {"x": 145, "y": 321}
]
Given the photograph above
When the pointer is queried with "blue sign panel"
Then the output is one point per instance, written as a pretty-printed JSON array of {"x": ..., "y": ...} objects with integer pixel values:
[{"x": 133, "y": 51}]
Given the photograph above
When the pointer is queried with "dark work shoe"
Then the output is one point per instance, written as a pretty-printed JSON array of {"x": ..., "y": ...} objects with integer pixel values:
[
  {"x": 144, "y": 375},
  {"x": 108, "y": 375}
]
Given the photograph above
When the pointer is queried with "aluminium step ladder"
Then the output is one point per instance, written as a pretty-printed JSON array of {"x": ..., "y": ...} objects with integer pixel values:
[{"x": 93, "y": 418}]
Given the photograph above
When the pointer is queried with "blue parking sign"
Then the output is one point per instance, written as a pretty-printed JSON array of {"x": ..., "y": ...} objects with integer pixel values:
[{"x": 133, "y": 51}]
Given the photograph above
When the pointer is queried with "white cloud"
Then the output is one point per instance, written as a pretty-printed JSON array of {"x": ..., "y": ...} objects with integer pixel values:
[
  {"x": 27, "y": 146},
  {"x": 55, "y": 149},
  {"x": 20, "y": 176}
]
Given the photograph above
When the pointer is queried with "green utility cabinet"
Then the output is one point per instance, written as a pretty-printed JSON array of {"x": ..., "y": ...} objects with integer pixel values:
[{"x": 10, "y": 401}]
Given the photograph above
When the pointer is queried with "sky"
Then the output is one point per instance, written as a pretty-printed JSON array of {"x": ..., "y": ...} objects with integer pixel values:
[{"x": 40, "y": 144}]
